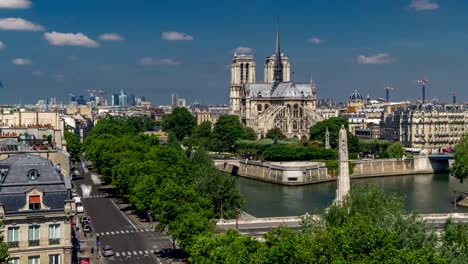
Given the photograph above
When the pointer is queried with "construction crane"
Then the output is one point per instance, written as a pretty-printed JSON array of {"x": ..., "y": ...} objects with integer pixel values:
[
  {"x": 387, "y": 91},
  {"x": 423, "y": 82}
]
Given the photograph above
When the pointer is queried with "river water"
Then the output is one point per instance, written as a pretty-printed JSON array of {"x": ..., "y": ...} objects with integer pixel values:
[{"x": 424, "y": 193}]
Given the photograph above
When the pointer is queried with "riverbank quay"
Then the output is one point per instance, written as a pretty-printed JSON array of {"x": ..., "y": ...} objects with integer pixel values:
[{"x": 310, "y": 172}]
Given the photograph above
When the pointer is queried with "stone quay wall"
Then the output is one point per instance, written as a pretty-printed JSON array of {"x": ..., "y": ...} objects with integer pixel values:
[
  {"x": 391, "y": 167},
  {"x": 302, "y": 173},
  {"x": 287, "y": 173}
]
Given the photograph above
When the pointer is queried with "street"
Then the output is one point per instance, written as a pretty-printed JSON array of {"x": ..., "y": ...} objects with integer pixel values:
[{"x": 131, "y": 239}]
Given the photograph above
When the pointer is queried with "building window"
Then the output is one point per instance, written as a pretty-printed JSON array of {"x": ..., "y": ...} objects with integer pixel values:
[
  {"x": 33, "y": 174},
  {"x": 54, "y": 259},
  {"x": 259, "y": 107},
  {"x": 54, "y": 234},
  {"x": 33, "y": 235},
  {"x": 13, "y": 236},
  {"x": 34, "y": 202},
  {"x": 33, "y": 260},
  {"x": 13, "y": 261}
]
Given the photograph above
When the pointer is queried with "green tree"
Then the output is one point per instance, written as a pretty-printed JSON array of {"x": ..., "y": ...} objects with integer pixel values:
[
  {"x": 396, "y": 150},
  {"x": 317, "y": 132},
  {"x": 203, "y": 130},
  {"x": 181, "y": 122},
  {"x": 226, "y": 131},
  {"x": 249, "y": 133},
  {"x": 455, "y": 242},
  {"x": 4, "y": 255},
  {"x": 459, "y": 168},
  {"x": 230, "y": 247},
  {"x": 275, "y": 133},
  {"x": 73, "y": 146}
]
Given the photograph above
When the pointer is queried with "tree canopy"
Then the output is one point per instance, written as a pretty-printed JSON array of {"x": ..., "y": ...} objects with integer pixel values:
[
  {"x": 184, "y": 193},
  {"x": 459, "y": 168},
  {"x": 396, "y": 150},
  {"x": 317, "y": 132},
  {"x": 181, "y": 122},
  {"x": 275, "y": 133},
  {"x": 226, "y": 131},
  {"x": 73, "y": 146}
]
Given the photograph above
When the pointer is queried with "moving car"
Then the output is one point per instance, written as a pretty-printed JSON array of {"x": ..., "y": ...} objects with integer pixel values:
[
  {"x": 87, "y": 228},
  {"x": 107, "y": 251}
]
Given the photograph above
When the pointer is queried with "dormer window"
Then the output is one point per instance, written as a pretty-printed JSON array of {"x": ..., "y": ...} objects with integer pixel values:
[
  {"x": 33, "y": 174},
  {"x": 34, "y": 202}
]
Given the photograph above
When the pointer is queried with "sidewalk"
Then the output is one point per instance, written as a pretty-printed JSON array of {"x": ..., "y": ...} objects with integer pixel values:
[{"x": 86, "y": 243}]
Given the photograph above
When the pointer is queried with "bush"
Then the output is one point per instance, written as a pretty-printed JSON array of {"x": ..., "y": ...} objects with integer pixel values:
[{"x": 295, "y": 152}]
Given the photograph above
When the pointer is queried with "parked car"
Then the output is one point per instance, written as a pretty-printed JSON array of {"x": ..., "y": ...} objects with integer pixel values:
[
  {"x": 85, "y": 220},
  {"x": 107, "y": 251},
  {"x": 79, "y": 207}
]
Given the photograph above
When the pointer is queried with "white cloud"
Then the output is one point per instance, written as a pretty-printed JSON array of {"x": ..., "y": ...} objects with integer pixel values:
[
  {"x": 38, "y": 73},
  {"x": 423, "y": 5},
  {"x": 70, "y": 39},
  {"x": 243, "y": 50},
  {"x": 59, "y": 78},
  {"x": 12, "y": 23},
  {"x": 22, "y": 61},
  {"x": 315, "y": 40},
  {"x": 147, "y": 61},
  {"x": 15, "y": 4},
  {"x": 111, "y": 37},
  {"x": 2, "y": 45},
  {"x": 381, "y": 58},
  {"x": 175, "y": 36}
]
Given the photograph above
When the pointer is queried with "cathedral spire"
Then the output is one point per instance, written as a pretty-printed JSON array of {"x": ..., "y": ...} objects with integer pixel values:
[{"x": 278, "y": 68}]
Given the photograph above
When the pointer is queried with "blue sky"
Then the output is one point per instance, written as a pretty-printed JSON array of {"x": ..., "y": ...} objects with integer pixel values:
[{"x": 156, "y": 47}]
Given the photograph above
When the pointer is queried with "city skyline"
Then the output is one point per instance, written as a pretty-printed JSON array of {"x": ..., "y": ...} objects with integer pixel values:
[{"x": 49, "y": 48}]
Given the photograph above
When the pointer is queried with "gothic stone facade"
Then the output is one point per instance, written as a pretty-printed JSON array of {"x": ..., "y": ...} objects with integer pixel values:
[{"x": 278, "y": 102}]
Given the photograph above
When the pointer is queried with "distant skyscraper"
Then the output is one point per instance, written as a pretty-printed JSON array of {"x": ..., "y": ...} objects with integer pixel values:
[
  {"x": 123, "y": 98},
  {"x": 115, "y": 99},
  {"x": 81, "y": 100},
  {"x": 72, "y": 98},
  {"x": 131, "y": 100},
  {"x": 173, "y": 100}
]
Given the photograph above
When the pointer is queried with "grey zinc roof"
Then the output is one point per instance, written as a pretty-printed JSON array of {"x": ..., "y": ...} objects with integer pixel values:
[
  {"x": 16, "y": 183},
  {"x": 286, "y": 89}
]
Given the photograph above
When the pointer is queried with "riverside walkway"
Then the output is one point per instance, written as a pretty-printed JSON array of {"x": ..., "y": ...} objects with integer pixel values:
[{"x": 258, "y": 226}]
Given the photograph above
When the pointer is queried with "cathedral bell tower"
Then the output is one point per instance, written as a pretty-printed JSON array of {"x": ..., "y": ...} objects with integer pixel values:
[{"x": 242, "y": 72}]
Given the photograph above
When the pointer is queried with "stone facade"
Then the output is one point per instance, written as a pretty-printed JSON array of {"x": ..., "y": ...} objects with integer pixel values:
[
  {"x": 343, "y": 184},
  {"x": 287, "y": 173},
  {"x": 36, "y": 210},
  {"x": 278, "y": 102},
  {"x": 426, "y": 127}
]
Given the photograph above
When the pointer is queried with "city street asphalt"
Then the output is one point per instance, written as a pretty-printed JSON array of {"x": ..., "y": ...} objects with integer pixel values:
[{"x": 132, "y": 240}]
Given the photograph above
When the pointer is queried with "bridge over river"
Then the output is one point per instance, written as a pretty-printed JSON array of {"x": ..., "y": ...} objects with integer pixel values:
[{"x": 258, "y": 226}]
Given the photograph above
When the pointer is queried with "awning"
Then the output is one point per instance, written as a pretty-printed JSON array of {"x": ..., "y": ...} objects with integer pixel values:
[{"x": 34, "y": 199}]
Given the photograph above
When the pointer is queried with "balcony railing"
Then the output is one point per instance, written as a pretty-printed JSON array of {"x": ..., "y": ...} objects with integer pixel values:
[
  {"x": 13, "y": 244},
  {"x": 54, "y": 241},
  {"x": 33, "y": 243}
]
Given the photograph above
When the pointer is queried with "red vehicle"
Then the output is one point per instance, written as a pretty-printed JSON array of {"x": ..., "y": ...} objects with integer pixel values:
[{"x": 84, "y": 260}]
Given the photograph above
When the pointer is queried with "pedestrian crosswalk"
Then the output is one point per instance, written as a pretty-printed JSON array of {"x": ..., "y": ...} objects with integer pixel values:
[
  {"x": 120, "y": 232},
  {"x": 134, "y": 253},
  {"x": 97, "y": 196}
]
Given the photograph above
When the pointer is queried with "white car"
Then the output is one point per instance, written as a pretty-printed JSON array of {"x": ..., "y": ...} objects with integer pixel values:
[{"x": 79, "y": 207}]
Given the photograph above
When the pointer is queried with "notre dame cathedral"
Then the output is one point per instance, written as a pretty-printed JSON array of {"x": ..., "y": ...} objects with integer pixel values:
[{"x": 278, "y": 102}]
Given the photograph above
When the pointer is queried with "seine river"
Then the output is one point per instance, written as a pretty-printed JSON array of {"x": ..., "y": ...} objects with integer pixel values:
[{"x": 424, "y": 193}]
